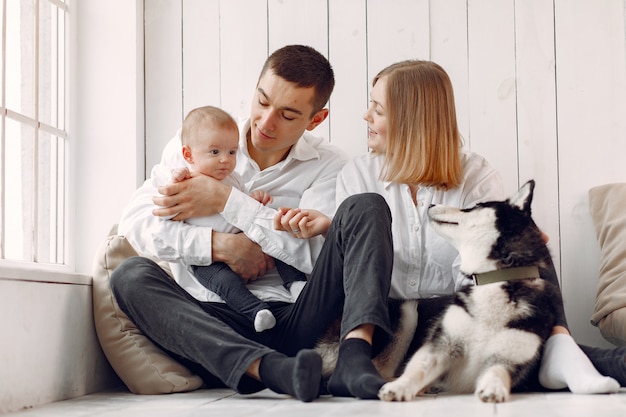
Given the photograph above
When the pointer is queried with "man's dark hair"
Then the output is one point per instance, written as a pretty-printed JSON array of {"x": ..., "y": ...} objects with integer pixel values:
[{"x": 305, "y": 67}]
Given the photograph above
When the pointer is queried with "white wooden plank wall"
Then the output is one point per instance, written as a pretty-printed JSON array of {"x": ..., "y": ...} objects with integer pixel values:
[
  {"x": 540, "y": 89},
  {"x": 591, "y": 131}
]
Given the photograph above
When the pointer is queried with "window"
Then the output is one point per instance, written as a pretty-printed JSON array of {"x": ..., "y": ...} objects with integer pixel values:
[{"x": 33, "y": 135}]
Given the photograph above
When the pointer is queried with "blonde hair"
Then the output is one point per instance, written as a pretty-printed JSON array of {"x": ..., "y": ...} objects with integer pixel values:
[
  {"x": 214, "y": 116},
  {"x": 423, "y": 140}
]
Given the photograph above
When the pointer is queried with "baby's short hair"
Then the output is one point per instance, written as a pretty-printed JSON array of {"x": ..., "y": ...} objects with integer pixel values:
[{"x": 215, "y": 116}]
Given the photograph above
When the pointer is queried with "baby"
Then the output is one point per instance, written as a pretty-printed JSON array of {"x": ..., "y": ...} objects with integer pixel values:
[{"x": 210, "y": 139}]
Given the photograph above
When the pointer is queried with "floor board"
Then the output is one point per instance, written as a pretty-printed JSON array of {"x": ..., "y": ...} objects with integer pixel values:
[{"x": 267, "y": 404}]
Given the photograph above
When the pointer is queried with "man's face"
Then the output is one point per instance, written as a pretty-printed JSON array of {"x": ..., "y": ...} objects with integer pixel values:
[{"x": 280, "y": 113}]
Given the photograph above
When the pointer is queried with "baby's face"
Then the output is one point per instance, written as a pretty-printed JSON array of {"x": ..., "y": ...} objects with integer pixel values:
[{"x": 214, "y": 152}]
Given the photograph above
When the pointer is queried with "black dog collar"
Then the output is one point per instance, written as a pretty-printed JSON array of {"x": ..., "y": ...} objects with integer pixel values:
[{"x": 509, "y": 274}]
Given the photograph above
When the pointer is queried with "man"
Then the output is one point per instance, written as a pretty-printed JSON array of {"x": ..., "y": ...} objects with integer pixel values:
[{"x": 279, "y": 156}]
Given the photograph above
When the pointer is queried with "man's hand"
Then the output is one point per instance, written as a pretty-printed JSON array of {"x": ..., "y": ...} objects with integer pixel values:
[
  {"x": 242, "y": 255},
  {"x": 197, "y": 196},
  {"x": 301, "y": 223}
]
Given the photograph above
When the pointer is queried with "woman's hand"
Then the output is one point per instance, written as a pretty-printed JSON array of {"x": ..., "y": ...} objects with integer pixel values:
[
  {"x": 301, "y": 223},
  {"x": 197, "y": 196}
]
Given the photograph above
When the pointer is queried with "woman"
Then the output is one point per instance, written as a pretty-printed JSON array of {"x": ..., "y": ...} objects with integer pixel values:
[{"x": 416, "y": 160}]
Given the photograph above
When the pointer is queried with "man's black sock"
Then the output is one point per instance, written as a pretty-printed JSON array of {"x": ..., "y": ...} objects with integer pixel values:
[
  {"x": 355, "y": 374},
  {"x": 299, "y": 376}
]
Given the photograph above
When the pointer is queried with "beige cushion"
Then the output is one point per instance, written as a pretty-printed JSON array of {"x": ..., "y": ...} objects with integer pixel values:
[
  {"x": 142, "y": 366},
  {"x": 607, "y": 204}
]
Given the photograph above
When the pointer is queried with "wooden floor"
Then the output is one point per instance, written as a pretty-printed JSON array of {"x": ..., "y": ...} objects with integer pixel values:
[{"x": 225, "y": 403}]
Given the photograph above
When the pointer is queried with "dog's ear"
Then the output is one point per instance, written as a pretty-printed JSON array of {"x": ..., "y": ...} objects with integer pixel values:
[{"x": 524, "y": 196}]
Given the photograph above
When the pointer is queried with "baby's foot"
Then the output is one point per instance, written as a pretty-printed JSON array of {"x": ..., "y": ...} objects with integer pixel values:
[{"x": 264, "y": 320}]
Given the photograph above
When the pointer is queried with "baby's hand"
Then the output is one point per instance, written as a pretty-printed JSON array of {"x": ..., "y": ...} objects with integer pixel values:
[
  {"x": 261, "y": 196},
  {"x": 180, "y": 174}
]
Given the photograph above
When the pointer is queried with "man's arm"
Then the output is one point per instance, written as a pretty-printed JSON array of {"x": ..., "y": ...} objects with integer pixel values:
[
  {"x": 257, "y": 221},
  {"x": 241, "y": 254},
  {"x": 197, "y": 196},
  {"x": 161, "y": 238},
  {"x": 178, "y": 241}
]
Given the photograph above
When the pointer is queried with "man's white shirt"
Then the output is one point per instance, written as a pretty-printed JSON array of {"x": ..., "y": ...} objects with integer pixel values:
[{"x": 306, "y": 178}]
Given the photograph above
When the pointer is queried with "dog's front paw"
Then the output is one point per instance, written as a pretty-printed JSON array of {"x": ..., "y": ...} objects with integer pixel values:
[
  {"x": 491, "y": 390},
  {"x": 402, "y": 389}
]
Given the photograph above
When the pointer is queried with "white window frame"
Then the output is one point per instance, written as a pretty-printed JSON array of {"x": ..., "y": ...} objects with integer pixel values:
[{"x": 56, "y": 238}]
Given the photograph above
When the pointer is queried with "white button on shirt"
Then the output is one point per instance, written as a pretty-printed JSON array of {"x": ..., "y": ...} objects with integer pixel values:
[{"x": 425, "y": 264}]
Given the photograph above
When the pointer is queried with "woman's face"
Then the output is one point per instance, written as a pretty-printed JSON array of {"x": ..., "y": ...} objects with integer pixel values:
[{"x": 376, "y": 118}]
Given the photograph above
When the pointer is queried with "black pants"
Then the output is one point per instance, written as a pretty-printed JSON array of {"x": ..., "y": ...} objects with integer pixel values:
[
  {"x": 351, "y": 278},
  {"x": 219, "y": 278}
]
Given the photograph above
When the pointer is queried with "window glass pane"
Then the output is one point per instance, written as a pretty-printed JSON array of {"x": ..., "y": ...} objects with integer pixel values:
[
  {"x": 50, "y": 198},
  {"x": 47, "y": 72},
  {"x": 62, "y": 146},
  {"x": 60, "y": 65},
  {"x": 33, "y": 163},
  {"x": 19, "y": 61},
  {"x": 51, "y": 70},
  {"x": 19, "y": 191},
  {"x": 3, "y": 195},
  {"x": 1, "y": 40},
  {"x": 46, "y": 183}
]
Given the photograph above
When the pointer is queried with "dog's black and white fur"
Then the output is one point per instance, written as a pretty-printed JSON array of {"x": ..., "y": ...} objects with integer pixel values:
[{"x": 489, "y": 336}]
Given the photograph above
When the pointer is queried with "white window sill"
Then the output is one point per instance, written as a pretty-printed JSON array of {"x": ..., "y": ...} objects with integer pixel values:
[{"x": 26, "y": 271}]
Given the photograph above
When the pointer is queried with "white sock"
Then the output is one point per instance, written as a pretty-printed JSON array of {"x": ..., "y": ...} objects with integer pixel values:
[
  {"x": 264, "y": 320},
  {"x": 565, "y": 365}
]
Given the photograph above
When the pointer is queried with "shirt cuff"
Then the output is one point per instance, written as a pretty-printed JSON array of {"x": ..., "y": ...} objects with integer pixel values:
[
  {"x": 197, "y": 246},
  {"x": 243, "y": 212}
]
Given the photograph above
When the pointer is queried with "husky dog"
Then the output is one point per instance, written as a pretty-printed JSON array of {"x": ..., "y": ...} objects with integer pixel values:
[{"x": 489, "y": 335}]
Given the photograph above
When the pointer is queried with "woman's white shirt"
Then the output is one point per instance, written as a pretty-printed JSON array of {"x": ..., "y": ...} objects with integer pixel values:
[{"x": 425, "y": 264}]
